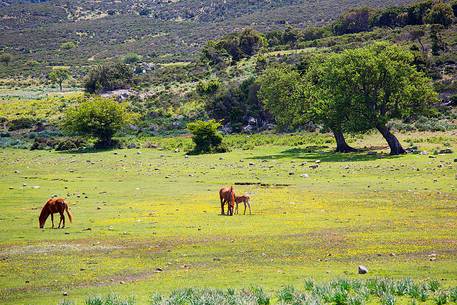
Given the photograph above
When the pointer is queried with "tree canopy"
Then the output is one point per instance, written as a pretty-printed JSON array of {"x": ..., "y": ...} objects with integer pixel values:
[
  {"x": 59, "y": 75},
  {"x": 98, "y": 117}
]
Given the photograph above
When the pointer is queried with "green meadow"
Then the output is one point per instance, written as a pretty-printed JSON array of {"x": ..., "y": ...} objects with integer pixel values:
[{"x": 147, "y": 220}]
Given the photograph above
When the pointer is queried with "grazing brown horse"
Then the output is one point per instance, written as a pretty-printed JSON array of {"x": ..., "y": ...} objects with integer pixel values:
[
  {"x": 227, "y": 195},
  {"x": 244, "y": 199},
  {"x": 54, "y": 205}
]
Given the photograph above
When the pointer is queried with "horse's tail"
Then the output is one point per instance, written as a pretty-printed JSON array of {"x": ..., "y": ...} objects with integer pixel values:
[{"x": 70, "y": 216}]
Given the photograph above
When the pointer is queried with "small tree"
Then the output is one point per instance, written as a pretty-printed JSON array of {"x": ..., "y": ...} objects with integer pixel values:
[
  {"x": 6, "y": 58},
  {"x": 98, "y": 117},
  {"x": 59, "y": 75},
  {"x": 206, "y": 137},
  {"x": 108, "y": 77}
]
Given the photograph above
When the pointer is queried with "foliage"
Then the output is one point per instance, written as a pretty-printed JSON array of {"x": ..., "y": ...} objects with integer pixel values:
[
  {"x": 208, "y": 87},
  {"x": 59, "y": 75},
  {"x": 68, "y": 45},
  {"x": 131, "y": 58},
  {"x": 21, "y": 123},
  {"x": 108, "y": 77},
  {"x": 111, "y": 299},
  {"x": 98, "y": 117},
  {"x": 234, "y": 47},
  {"x": 440, "y": 13},
  {"x": 284, "y": 95},
  {"x": 353, "y": 21},
  {"x": 206, "y": 137},
  {"x": 6, "y": 58},
  {"x": 235, "y": 104}
]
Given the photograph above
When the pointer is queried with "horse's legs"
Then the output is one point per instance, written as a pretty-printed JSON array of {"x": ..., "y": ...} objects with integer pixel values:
[
  {"x": 222, "y": 206},
  {"x": 249, "y": 205},
  {"x": 236, "y": 208},
  {"x": 244, "y": 208},
  {"x": 62, "y": 218},
  {"x": 52, "y": 220}
]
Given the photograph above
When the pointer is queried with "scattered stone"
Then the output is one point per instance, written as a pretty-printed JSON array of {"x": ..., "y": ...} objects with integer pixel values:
[
  {"x": 122, "y": 282},
  {"x": 159, "y": 270},
  {"x": 87, "y": 229},
  {"x": 304, "y": 175},
  {"x": 216, "y": 259},
  {"x": 131, "y": 146},
  {"x": 251, "y": 163},
  {"x": 424, "y": 152},
  {"x": 138, "y": 152},
  {"x": 362, "y": 270},
  {"x": 392, "y": 254},
  {"x": 11, "y": 188},
  {"x": 291, "y": 173},
  {"x": 65, "y": 293},
  {"x": 186, "y": 156},
  {"x": 314, "y": 166},
  {"x": 317, "y": 161}
]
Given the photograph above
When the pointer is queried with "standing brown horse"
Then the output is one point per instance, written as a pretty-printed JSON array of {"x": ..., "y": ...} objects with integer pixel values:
[
  {"x": 244, "y": 199},
  {"x": 54, "y": 205},
  {"x": 227, "y": 195}
]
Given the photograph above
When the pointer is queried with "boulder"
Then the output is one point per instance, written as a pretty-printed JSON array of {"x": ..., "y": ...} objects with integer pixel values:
[{"x": 362, "y": 270}]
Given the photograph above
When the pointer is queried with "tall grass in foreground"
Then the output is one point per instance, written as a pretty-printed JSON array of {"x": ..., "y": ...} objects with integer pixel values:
[{"x": 382, "y": 291}]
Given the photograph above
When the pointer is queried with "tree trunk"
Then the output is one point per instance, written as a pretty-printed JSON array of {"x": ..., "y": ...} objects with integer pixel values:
[
  {"x": 341, "y": 145},
  {"x": 394, "y": 144}
]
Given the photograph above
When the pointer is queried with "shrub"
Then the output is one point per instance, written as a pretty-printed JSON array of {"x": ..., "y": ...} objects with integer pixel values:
[
  {"x": 441, "y": 13},
  {"x": 21, "y": 123},
  {"x": 98, "y": 117},
  {"x": 132, "y": 58},
  {"x": 441, "y": 298},
  {"x": 208, "y": 87},
  {"x": 68, "y": 45},
  {"x": 388, "y": 299},
  {"x": 108, "y": 77},
  {"x": 6, "y": 58},
  {"x": 206, "y": 137},
  {"x": 111, "y": 299},
  {"x": 66, "y": 144}
]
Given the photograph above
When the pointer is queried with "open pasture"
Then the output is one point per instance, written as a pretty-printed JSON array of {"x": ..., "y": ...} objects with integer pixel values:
[{"x": 148, "y": 221}]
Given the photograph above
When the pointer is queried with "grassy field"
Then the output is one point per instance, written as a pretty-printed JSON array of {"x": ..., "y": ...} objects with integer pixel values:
[{"x": 148, "y": 220}]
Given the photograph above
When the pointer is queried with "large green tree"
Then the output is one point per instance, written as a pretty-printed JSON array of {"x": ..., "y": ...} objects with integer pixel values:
[
  {"x": 294, "y": 100},
  {"x": 376, "y": 84}
]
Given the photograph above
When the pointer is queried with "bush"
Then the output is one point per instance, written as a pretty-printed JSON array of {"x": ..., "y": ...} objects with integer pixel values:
[
  {"x": 112, "y": 299},
  {"x": 73, "y": 143},
  {"x": 98, "y": 117},
  {"x": 132, "y": 58},
  {"x": 208, "y": 87},
  {"x": 68, "y": 45},
  {"x": 21, "y": 123},
  {"x": 441, "y": 13},
  {"x": 108, "y": 77},
  {"x": 206, "y": 137}
]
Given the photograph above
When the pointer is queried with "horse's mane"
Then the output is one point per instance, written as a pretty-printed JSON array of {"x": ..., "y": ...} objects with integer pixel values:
[{"x": 44, "y": 212}]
